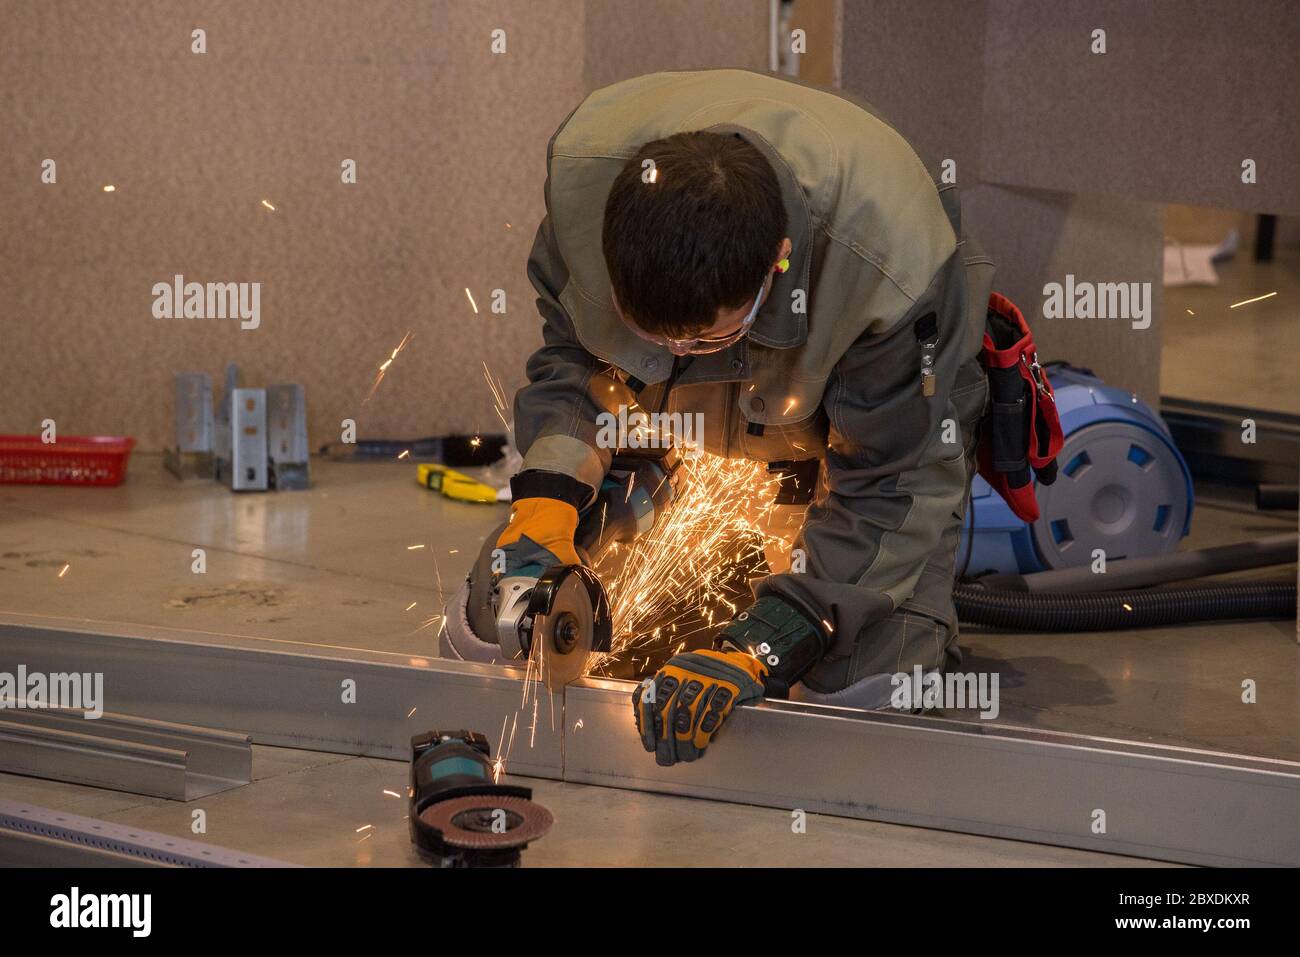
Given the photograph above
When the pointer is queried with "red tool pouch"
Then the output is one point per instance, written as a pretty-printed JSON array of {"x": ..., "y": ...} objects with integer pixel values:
[{"x": 1022, "y": 430}]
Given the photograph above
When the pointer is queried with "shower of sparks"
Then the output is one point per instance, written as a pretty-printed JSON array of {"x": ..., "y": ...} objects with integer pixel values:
[
  {"x": 470, "y": 296},
  {"x": 677, "y": 574},
  {"x": 64, "y": 570},
  {"x": 1247, "y": 302},
  {"x": 383, "y": 368},
  {"x": 268, "y": 206},
  {"x": 498, "y": 397}
]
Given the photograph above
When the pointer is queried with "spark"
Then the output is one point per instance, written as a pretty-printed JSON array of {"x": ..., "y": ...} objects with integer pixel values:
[
  {"x": 507, "y": 225},
  {"x": 64, "y": 570},
  {"x": 411, "y": 548},
  {"x": 411, "y": 712},
  {"x": 829, "y": 626},
  {"x": 364, "y": 827},
  {"x": 411, "y": 605},
  {"x": 404, "y": 454},
  {"x": 110, "y": 188},
  {"x": 471, "y": 300},
  {"x": 1247, "y": 302},
  {"x": 453, "y": 551},
  {"x": 391, "y": 793},
  {"x": 475, "y": 442},
  {"x": 577, "y": 724},
  {"x": 383, "y": 368},
  {"x": 790, "y": 405},
  {"x": 268, "y": 206},
  {"x": 679, "y": 572},
  {"x": 1190, "y": 313}
]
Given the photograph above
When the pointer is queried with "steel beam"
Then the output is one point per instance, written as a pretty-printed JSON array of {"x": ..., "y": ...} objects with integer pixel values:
[
  {"x": 123, "y": 752},
  {"x": 1173, "y": 804},
  {"x": 32, "y": 836},
  {"x": 1169, "y": 803},
  {"x": 290, "y": 694}
]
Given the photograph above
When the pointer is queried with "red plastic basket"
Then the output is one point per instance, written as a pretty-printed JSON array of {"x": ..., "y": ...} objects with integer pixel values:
[{"x": 72, "y": 460}]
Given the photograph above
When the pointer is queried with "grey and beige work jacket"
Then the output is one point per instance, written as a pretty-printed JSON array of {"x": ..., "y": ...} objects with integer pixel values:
[{"x": 832, "y": 366}]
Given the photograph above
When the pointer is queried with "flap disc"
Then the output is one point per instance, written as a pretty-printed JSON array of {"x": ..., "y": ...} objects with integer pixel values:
[
  {"x": 485, "y": 822},
  {"x": 571, "y": 621}
]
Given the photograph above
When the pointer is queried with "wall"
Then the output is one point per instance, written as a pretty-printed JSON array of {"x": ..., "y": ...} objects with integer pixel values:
[{"x": 449, "y": 141}]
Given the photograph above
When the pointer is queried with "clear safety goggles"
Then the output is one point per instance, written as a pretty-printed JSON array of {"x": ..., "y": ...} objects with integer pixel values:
[{"x": 699, "y": 346}]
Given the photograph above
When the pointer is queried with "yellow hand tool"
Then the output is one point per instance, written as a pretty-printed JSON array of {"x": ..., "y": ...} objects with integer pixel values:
[{"x": 455, "y": 485}]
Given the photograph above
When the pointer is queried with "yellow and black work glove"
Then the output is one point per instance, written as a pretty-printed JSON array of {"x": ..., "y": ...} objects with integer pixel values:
[
  {"x": 681, "y": 708},
  {"x": 543, "y": 523}
]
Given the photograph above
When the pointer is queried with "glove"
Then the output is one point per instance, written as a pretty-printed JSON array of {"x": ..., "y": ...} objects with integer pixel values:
[
  {"x": 543, "y": 522},
  {"x": 779, "y": 635},
  {"x": 540, "y": 534},
  {"x": 680, "y": 709}
]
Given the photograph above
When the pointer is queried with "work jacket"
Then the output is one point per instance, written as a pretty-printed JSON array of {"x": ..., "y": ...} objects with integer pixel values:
[{"x": 831, "y": 367}]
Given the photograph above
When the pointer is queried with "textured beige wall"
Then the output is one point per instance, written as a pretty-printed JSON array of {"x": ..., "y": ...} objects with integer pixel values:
[{"x": 449, "y": 140}]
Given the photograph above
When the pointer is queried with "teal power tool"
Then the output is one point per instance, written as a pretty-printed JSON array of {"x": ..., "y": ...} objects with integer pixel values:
[{"x": 459, "y": 816}]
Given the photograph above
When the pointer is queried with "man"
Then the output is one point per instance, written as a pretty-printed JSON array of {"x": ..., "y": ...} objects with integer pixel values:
[{"x": 776, "y": 257}]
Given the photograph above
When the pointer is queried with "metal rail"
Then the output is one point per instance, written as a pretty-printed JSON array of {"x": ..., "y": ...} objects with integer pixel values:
[
  {"x": 1175, "y": 804},
  {"x": 123, "y": 753}
]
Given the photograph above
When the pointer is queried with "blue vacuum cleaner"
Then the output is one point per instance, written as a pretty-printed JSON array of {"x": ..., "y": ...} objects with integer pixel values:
[{"x": 1122, "y": 487}]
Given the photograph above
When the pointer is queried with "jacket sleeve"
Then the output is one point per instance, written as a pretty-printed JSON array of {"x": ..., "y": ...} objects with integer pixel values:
[
  {"x": 896, "y": 466},
  {"x": 554, "y": 414}
]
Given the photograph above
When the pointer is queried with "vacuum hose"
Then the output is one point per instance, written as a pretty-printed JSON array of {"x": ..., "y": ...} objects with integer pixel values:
[{"x": 1111, "y": 611}]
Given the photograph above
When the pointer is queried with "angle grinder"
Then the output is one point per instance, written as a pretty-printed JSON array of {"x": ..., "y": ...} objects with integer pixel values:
[
  {"x": 563, "y": 617},
  {"x": 459, "y": 817}
]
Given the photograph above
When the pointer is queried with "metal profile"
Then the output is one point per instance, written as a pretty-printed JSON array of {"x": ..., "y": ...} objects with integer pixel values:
[
  {"x": 248, "y": 465},
  {"x": 286, "y": 424},
  {"x": 123, "y": 752},
  {"x": 291, "y": 694},
  {"x": 1168, "y": 803},
  {"x": 32, "y": 836},
  {"x": 192, "y": 455}
]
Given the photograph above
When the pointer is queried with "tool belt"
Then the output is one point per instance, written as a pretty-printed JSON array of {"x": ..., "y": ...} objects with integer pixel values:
[{"x": 1022, "y": 430}]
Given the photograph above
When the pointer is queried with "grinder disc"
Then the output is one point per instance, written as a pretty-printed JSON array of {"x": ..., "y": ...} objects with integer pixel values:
[
  {"x": 468, "y": 821},
  {"x": 571, "y": 621}
]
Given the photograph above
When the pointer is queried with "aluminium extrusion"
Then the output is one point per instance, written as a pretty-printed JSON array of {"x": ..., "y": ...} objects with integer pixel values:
[
  {"x": 32, "y": 836},
  {"x": 293, "y": 694},
  {"x": 1169, "y": 803},
  {"x": 123, "y": 752}
]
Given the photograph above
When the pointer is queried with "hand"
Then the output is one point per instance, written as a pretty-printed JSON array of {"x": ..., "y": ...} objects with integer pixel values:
[
  {"x": 681, "y": 708},
  {"x": 540, "y": 534}
]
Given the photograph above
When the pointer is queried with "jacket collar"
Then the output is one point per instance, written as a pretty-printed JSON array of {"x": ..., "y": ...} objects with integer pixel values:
[{"x": 778, "y": 325}]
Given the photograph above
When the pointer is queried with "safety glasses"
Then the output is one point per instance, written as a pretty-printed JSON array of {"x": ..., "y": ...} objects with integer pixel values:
[{"x": 699, "y": 346}]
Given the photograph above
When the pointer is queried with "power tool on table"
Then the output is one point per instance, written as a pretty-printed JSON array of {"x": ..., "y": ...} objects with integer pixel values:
[
  {"x": 562, "y": 616},
  {"x": 459, "y": 816}
]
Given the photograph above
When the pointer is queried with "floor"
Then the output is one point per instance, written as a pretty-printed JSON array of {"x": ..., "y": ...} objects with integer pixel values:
[
  {"x": 341, "y": 564},
  {"x": 1241, "y": 356}
]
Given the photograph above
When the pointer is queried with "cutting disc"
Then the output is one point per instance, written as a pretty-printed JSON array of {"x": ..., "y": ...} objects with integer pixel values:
[
  {"x": 570, "y": 621},
  {"x": 472, "y": 822}
]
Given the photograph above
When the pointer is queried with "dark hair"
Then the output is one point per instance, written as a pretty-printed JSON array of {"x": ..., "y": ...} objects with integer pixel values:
[{"x": 699, "y": 237}]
